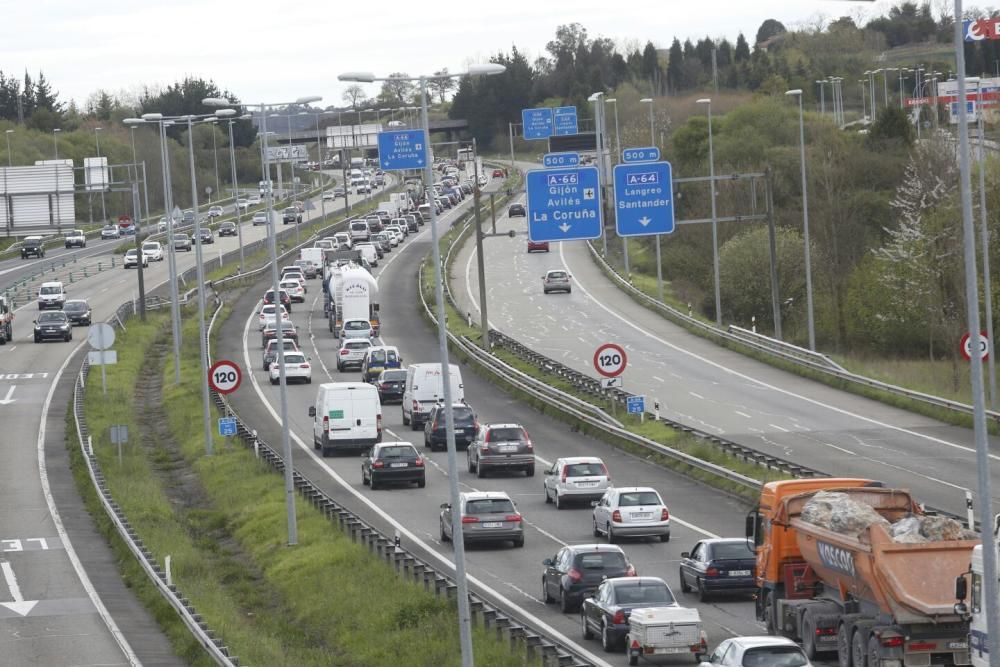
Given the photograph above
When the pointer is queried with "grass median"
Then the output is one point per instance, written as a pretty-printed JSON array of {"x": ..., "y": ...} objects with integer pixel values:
[{"x": 221, "y": 518}]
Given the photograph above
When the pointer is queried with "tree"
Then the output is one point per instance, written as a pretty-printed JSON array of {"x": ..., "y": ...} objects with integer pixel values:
[
  {"x": 891, "y": 128},
  {"x": 769, "y": 29},
  {"x": 745, "y": 274},
  {"x": 353, "y": 95},
  {"x": 742, "y": 52},
  {"x": 44, "y": 97},
  {"x": 441, "y": 87},
  {"x": 396, "y": 90},
  {"x": 675, "y": 66}
]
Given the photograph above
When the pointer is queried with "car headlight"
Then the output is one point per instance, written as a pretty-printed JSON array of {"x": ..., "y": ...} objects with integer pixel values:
[{"x": 64, "y": 326}]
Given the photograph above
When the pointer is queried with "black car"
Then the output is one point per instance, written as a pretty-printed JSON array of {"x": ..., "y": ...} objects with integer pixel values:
[
  {"x": 291, "y": 215},
  {"x": 516, "y": 210},
  {"x": 32, "y": 246},
  {"x": 390, "y": 385},
  {"x": 286, "y": 300},
  {"x": 577, "y": 570},
  {"x": 227, "y": 229},
  {"x": 465, "y": 426},
  {"x": 606, "y": 614},
  {"x": 721, "y": 565},
  {"x": 389, "y": 462},
  {"x": 53, "y": 325},
  {"x": 412, "y": 225},
  {"x": 78, "y": 311},
  {"x": 270, "y": 332},
  {"x": 206, "y": 235}
]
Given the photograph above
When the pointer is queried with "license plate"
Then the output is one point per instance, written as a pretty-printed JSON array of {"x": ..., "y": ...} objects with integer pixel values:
[
  {"x": 958, "y": 645},
  {"x": 586, "y": 484},
  {"x": 507, "y": 448},
  {"x": 492, "y": 524},
  {"x": 398, "y": 465},
  {"x": 739, "y": 573},
  {"x": 642, "y": 515}
]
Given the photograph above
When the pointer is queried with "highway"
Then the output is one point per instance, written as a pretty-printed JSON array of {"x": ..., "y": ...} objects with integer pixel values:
[
  {"x": 62, "y": 601},
  {"x": 499, "y": 573},
  {"x": 707, "y": 386}
]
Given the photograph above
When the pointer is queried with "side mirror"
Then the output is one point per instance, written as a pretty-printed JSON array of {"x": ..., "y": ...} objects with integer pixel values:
[
  {"x": 312, "y": 410},
  {"x": 961, "y": 587},
  {"x": 685, "y": 554},
  {"x": 446, "y": 506},
  {"x": 548, "y": 562},
  {"x": 595, "y": 503}
]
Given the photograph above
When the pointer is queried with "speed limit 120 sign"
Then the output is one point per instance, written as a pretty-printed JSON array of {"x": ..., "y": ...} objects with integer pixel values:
[
  {"x": 224, "y": 377},
  {"x": 610, "y": 360}
]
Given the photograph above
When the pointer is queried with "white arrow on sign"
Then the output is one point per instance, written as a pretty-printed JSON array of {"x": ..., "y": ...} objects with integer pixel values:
[
  {"x": 19, "y": 605},
  {"x": 644, "y": 220},
  {"x": 564, "y": 227},
  {"x": 10, "y": 392}
]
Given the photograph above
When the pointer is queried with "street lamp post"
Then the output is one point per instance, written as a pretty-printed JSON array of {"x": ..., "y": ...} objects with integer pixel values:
[
  {"x": 319, "y": 160},
  {"x": 659, "y": 264},
  {"x": 55, "y": 140},
  {"x": 601, "y": 134},
  {"x": 97, "y": 141},
  {"x": 822, "y": 97},
  {"x": 10, "y": 160},
  {"x": 464, "y": 613},
  {"x": 805, "y": 222},
  {"x": 286, "y": 442},
  {"x": 715, "y": 226},
  {"x": 984, "y": 232},
  {"x": 618, "y": 157},
  {"x": 236, "y": 188}
]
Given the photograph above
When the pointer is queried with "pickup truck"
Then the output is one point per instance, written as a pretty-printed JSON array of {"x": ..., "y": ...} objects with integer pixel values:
[{"x": 76, "y": 237}]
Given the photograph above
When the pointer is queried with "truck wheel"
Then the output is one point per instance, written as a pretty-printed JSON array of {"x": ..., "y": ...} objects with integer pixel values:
[
  {"x": 874, "y": 654},
  {"x": 844, "y": 658},
  {"x": 768, "y": 614},
  {"x": 859, "y": 648},
  {"x": 809, "y": 636}
]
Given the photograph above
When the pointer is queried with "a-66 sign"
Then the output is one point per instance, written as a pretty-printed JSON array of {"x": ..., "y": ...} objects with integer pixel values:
[
  {"x": 610, "y": 360},
  {"x": 224, "y": 376}
]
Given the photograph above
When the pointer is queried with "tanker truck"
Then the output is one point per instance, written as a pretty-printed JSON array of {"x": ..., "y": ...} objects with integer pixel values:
[
  {"x": 353, "y": 295},
  {"x": 846, "y": 566}
]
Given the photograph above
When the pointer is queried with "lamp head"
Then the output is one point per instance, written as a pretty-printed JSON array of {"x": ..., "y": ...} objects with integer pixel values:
[
  {"x": 360, "y": 77},
  {"x": 704, "y": 100},
  {"x": 796, "y": 91},
  {"x": 152, "y": 116},
  {"x": 216, "y": 102},
  {"x": 307, "y": 99},
  {"x": 612, "y": 100},
  {"x": 486, "y": 69},
  {"x": 225, "y": 113},
  {"x": 646, "y": 100}
]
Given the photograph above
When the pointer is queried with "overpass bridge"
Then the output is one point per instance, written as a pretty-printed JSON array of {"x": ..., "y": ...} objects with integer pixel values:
[{"x": 451, "y": 128}]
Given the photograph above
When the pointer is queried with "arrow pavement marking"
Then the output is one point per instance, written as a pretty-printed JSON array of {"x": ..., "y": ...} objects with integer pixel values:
[
  {"x": 19, "y": 605},
  {"x": 10, "y": 392},
  {"x": 564, "y": 227},
  {"x": 644, "y": 220}
]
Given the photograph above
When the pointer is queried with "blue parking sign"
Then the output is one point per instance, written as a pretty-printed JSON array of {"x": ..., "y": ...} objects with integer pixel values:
[{"x": 227, "y": 426}]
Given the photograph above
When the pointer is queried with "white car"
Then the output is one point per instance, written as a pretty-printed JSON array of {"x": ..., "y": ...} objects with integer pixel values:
[
  {"x": 357, "y": 329},
  {"x": 243, "y": 204},
  {"x": 254, "y": 200},
  {"x": 740, "y": 651},
  {"x": 297, "y": 367},
  {"x": 631, "y": 511},
  {"x": 266, "y": 315},
  {"x": 390, "y": 237},
  {"x": 398, "y": 231},
  {"x": 294, "y": 289},
  {"x": 215, "y": 212},
  {"x": 154, "y": 250},
  {"x": 352, "y": 352},
  {"x": 260, "y": 218},
  {"x": 575, "y": 478},
  {"x": 132, "y": 259}
]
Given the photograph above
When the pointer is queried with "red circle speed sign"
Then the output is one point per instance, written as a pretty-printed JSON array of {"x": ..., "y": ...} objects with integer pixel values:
[
  {"x": 984, "y": 346},
  {"x": 610, "y": 360},
  {"x": 224, "y": 377}
]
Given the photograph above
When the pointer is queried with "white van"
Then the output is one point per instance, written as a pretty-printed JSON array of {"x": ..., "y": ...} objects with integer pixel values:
[
  {"x": 347, "y": 417},
  {"x": 343, "y": 238},
  {"x": 358, "y": 230},
  {"x": 368, "y": 252},
  {"x": 51, "y": 295},
  {"x": 425, "y": 387}
]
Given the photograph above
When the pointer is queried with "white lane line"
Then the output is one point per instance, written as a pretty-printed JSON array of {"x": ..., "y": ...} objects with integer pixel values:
[
  {"x": 743, "y": 414},
  {"x": 658, "y": 379},
  {"x": 403, "y": 530},
  {"x": 780, "y": 428},
  {"x": 761, "y": 383},
  {"x": 697, "y": 395}
]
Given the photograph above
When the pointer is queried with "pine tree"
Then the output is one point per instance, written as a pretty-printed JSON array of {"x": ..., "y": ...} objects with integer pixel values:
[
  {"x": 44, "y": 97},
  {"x": 742, "y": 53}
]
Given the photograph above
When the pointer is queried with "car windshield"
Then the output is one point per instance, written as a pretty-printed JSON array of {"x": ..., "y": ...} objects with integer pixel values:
[
  {"x": 267, "y": 310},
  {"x": 601, "y": 560},
  {"x": 634, "y": 498},
  {"x": 635, "y": 593},
  {"x": 489, "y": 506},
  {"x": 731, "y": 550},
  {"x": 584, "y": 469},
  {"x": 180, "y": 237},
  {"x": 150, "y": 246},
  {"x": 557, "y": 275},
  {"x": 357, "y": 325},
  {"x": 357, "y": 345},
  {"x": 51, "y": 290},
  {"x": 774, "y": 656},
  {"x": 289, "y": 285},
  {"x": 295, "y": 359},
  {"x": 377, "y": 357},
  {"x": 131, "y": 252},
  {"x": 44, "y": 318},
  {"x": 393, "y": 376},
  {"x": 75, "y": 306},
  {"x": 397, "y": 451},
  {"x": 506, "y": 433},
  {"x": 463, "y": 416}
]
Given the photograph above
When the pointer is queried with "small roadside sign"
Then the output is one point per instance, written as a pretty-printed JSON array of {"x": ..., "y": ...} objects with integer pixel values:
[
  {"x": 644, "y": 154},
  {"x": 610, "y": 360},
  {"x": 101, "y": 336},
  {"x": 636, "y": 405},
  {"x": 224, "y": 376},
  {"x": 560, "y": 160},
  {"x": 611, "y": 383},
  {"x": 984, "y": 346},
  {"x": 227, "y": 426}
]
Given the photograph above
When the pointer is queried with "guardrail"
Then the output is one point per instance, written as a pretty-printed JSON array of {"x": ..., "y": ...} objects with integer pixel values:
[{"x": 784, "y": 351}]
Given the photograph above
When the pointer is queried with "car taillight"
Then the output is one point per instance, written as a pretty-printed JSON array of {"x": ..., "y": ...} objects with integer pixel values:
[
  {"x": 383, "y": 385},
  {"x": 419, "y": 462},
  {"x": 488, "y": 436},
  {"x": 530, "y": 447},
  {"x": 516, "y": 518},
  {"x": 343, "y": 353},
  {"x": 922, "y": 646},
  {"x": 304, "y": 366},
  {"x": 665, "y": 514},
  {"x": 378, "y": 423},
  {"x": 484, "y": 449},
  {"x": 604, "y": 469},
  {"x": 434, "y": 425},
  {"x": 326, "y": 423},
  {"x": 378, "y": 464},
  {"x": 565, "y": 474},
  {"x": 470, "y": 519},
  {"x": 416, "y": 405},
  {"x": 618, "y": 618},
  {"x": 712, "y": 572},
  {"x": 630, "y": 570},
  {"x": 616, "y": 516},
  {"x": 891, "y": 642},
  {"x": 574, "y": 574}
]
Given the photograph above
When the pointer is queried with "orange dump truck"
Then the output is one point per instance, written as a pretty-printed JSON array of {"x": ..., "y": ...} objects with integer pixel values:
[{"x": 874, "y": 601}]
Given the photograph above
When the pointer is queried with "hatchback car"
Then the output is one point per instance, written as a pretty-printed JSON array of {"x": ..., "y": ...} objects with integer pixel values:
[
  {"x": 607, "y": 612},
  {"x": 297, "y": 368},
  {"x": 352, "y": 353},
  {"x": 110, "y": 232},
  {"x": 435, "y": 433},
  {"x": 78, "y": 311},
  {"x": 295, "y": 291},
  {"x": 228, "y": 229},
  {"x": 579, "y": 478},
  {"x": 259, "y": 218},
  {"x": 53, "y": 325},
  {"x": 556, "y": 280},
  {"x": 516, "y": 211},
  {"x": 266, "y": 315},
  {"x": 758, "y": 652},
  {"x": 486, "y": 516},
  {"x": 501, "y": 447},
  {"x": 270, "y": 332},
  {"x": 283, "y": 297},
  {"x": 132, "y": 259},
  {"x": 721, "y": 565},
  {"x": 206, "y": 235},
  {"x": 390, "y": 385},
  {"x": 632, "y": 511},
  {"x": 271, "y": 350},
  {"x": 215, "y": 212},
  {"x": 389, "y": 462},
  {"x": 576, "y": 571},
  {"x": 538, "y": 246},
  {"x": 291, "y": 216},
  {"x": 357, "y": 329},
  {"x": 154, "y": 250},
  {"x": 183, "y": 242}
]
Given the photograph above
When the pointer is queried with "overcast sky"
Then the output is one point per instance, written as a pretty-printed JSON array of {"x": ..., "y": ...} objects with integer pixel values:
[{"x": 277, "y": 51}]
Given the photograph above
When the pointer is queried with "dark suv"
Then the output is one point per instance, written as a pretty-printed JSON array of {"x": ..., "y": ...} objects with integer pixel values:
[
  {"x": 577, "y": 570},
  {"x": 501, "y": 447},
  {"x": 291, "y": 215},
  {"x": 32, "y": 246},
  {"x": 465, "y": 426}
]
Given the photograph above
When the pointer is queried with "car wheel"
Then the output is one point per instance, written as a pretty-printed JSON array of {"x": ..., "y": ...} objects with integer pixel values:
[
  {"x": 422, "y": 482},
  {"x": 597, "y": 532},
  {"x": 371, "y": 481},
  {"x": 37, "y": 339},
  {"x": 606, "y": 643},
  {"x": 468, "y": 461},
  {"x": 702, "y": 592},
  {"x": 564, "y": 604},
  {"x": 364, "y": 478},
  {"x": 548, "y": 498},
  {"x": 519, "y": 542},
  {"x": 665, "y": 537},
  {"x": 68, "y": 337},
  {"x": 546, "y": 597},
  {"x": 684, "y": 585},
  {"x": 427, "y": 442},
  {"x": 587, "y": 632},
  {"x": 529, "y": 471},
  {"x": 559, "y": 502},
  {"x": 480, "y": 473},
  {"x": 611, "y": 534},
  {"x": 414, "y": 426}
]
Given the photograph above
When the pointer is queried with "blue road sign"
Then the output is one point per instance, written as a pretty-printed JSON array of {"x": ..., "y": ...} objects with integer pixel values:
[
  {"x": 405, "y": 149},
  {"x": 647, "y": 154},
  {"x": 227, "y": 426},
  {"x": 561, "y": 159},
  {"x": 644, "y": 198},
  {"x": 563, "y": 204},
  {"x": 564, "y": 120},
  {"x": 636, "y": 404},
  {"x": 536, "y": 123}
]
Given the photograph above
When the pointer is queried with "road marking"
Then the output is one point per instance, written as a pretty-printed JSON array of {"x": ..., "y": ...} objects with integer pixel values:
[
  {"x": 24, "y": 376},
  {"x": 7, "y": 400},
  {"x": 696, "y": 395},
  {"x": 780, "y": 428},
  {"x": 658, "y": 379},
  {"x": 761, "y": 383},
  {"x": 19, "y": 605},
  {"x": 24, "y": 544},
  {"x": 743, "y": 414}
]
